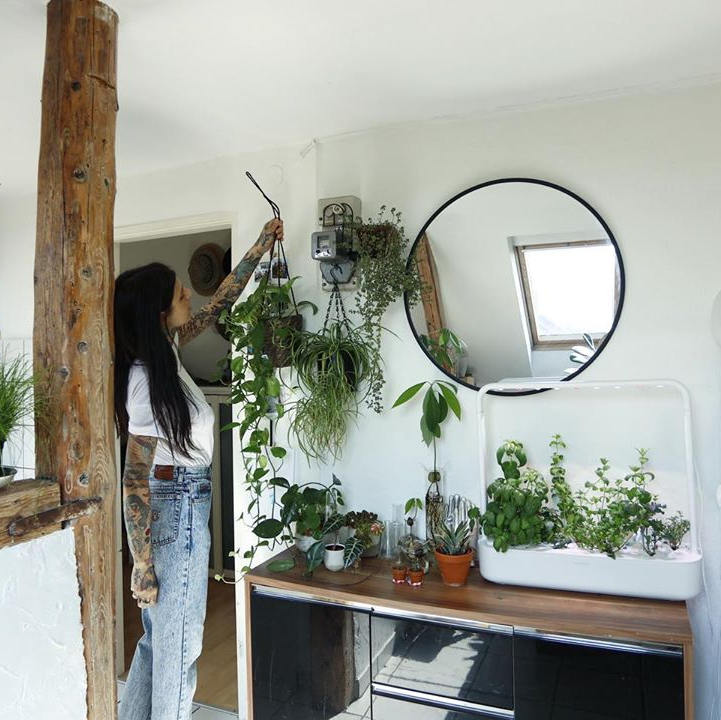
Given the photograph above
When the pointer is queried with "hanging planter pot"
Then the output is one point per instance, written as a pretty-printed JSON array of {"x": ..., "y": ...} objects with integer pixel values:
[{"x": 279, "y": 334}]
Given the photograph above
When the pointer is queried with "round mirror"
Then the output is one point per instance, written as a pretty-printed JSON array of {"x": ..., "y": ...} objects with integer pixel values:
[{"x": 522, "y": 280}]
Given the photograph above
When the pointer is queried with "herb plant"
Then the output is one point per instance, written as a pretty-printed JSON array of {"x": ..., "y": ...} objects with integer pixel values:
[{"x": 516, "y": 512}]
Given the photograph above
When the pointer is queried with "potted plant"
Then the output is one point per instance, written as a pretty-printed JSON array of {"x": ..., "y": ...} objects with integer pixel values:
[
  {"x": 331, "y": 365},
  {"x": 309, "y": 506},
  {"x": 514, "y": 514},
  {"x": 453, "y": 549},
  {"x": 281, "y": 319},
  {"x": 448, "y": 350},
  {"x": 439, "y": 398},
  {"x": 17, "y": 401},
  {"x": 368, "y": 529},
  {"x": 384, "y": 275}
]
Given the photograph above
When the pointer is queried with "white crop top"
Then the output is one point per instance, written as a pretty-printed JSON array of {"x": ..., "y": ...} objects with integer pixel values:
[{"x": 142, "y": 422}]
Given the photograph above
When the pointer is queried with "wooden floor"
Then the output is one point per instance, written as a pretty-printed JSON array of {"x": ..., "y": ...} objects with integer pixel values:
[{"x": 217, "y": 678}]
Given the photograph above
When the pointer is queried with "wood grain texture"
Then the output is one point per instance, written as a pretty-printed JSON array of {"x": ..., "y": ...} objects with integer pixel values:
[
  {"x": 54, "y": 516},
  {"x": 554, "y": 611},
  {"x": 24, "y": 498},
  {"x": 74, "y": 275},
  {"x": 431, "y": 296}
]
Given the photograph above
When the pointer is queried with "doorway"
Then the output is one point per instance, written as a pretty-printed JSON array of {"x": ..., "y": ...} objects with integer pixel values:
[{"x": 204, "y": 359}]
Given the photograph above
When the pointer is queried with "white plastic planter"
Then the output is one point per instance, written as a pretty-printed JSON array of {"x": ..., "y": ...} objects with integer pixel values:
[{"x": 599, "y": 419}]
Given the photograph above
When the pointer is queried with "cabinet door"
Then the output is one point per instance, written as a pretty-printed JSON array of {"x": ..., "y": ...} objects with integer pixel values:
[
  {"x": 562, "y": 678},
  {"x": 456, "y": 662},
  {"x": 309, "y": 661}
]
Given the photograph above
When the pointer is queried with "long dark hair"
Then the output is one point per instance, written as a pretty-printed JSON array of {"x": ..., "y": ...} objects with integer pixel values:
[{"x": 141, "y": 295}]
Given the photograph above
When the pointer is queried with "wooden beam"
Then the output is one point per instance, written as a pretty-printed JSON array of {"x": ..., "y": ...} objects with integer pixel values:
[
  {"x": 73, "y": 334},
  {"x": 23, "y": 498},
  {"x": 431, "y": 296}
]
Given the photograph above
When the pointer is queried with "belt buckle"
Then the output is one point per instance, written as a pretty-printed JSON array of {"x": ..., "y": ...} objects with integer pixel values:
[{"x": 164, "y": 472}]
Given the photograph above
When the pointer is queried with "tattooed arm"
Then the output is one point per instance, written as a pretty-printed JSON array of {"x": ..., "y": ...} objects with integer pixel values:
[
  {"x": 136, "y": 508},
  {"x": 230, "y": 289}
]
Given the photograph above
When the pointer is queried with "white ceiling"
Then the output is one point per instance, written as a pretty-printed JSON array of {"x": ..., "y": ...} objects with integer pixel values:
[{"x": 203, "y": 78}]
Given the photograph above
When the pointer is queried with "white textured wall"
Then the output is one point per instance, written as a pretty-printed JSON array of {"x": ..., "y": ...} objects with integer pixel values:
[
  {"x": 650, "y": 165},
  {"x": 42, "y": 669}
]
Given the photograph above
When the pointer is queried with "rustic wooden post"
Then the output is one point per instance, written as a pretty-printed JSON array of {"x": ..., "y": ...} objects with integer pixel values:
[{"x": 73, "y": 334}]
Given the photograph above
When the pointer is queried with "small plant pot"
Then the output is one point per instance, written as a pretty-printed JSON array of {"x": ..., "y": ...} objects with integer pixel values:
[
  {"x": 278, "y": 338},
  {"x": 399, "y": 573},
  {"x": 303, "y": 542},
  {"x": 415, "y": 578},
  {"x": 6, "y": 475},
  {"x": 454, "y": 568},
  {"x": 333, "y": 557}
]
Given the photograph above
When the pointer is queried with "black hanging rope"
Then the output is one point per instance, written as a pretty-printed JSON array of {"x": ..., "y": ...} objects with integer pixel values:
[{"x": 277, "y": 252}]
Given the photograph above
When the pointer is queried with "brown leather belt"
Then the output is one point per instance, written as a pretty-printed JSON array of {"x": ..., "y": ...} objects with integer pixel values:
[{"x": 164, "y": 472}]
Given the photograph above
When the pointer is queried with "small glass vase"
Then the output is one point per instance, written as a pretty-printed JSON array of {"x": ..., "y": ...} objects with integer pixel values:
[{"x": 434, "y": 506}]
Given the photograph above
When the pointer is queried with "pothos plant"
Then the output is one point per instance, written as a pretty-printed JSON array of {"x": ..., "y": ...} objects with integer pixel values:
[{"x": 255, "y": 388}]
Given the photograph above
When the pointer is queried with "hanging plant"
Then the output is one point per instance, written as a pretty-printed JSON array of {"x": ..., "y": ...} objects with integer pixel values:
[
  {"x": 334, "y": 369},
  {"x": 255, "y": 388},
  {"x": 385, "y": 276}
]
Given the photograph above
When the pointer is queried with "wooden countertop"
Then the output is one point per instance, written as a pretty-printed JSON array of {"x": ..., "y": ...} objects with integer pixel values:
[{"x": 552, "y": 611}]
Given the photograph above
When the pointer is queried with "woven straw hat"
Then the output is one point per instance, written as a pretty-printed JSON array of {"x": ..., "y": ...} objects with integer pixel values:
[{"x": 206, "y": 268}]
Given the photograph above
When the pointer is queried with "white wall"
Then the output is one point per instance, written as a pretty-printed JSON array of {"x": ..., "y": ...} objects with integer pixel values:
[
  {"x": 42, "y": 668},
  {"x": 651, "y": 166}
]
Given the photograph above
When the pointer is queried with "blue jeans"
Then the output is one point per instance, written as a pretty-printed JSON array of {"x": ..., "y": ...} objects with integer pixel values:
[{"x": 162, "y": 677}]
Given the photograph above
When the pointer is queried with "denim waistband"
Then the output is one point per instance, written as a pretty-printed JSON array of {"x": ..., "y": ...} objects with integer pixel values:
[{"x": 181, "y": 472}]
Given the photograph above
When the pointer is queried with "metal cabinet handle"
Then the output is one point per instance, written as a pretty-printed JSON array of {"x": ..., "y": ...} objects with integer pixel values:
[{"x": 641, "y": 648}]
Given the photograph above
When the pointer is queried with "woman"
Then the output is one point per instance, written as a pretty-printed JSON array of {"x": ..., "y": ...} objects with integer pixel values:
[{"x": 166, "y": 481}]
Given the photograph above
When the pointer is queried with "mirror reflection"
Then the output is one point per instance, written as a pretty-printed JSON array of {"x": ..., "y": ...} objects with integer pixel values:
[{"x": 523, "y": 281}]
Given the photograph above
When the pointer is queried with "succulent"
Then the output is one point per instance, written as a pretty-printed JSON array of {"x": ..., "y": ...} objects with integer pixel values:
[{"x": 454, "y": 540}]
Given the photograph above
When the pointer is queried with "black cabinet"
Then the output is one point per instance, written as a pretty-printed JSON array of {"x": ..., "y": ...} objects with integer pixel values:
[
  {"x": 449, "y": 661},
  {"x": 571, "y": 678},
  {"x": 315, "y": 659},
  {"x": 310, "y": 661}
]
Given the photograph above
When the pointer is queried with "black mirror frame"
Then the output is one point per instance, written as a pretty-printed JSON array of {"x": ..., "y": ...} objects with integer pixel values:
[{"x": 532, "y": 181}]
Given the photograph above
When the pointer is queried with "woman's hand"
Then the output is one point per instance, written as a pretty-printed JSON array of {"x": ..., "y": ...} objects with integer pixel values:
[
  {"x": 144, "y": 585},
  {"x": 272, "y": 231}
]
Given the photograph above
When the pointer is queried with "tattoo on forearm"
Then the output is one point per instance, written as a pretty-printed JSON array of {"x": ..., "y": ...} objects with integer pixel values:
[
  {"x": 228, "y": 291},
  {"x": 136, "y": 496}
]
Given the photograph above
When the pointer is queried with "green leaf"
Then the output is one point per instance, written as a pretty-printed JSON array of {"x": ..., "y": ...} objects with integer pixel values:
[
  {"x": 431, "y": 411},
  {"x": 425, "y": 432},
  {"x": 333, "y": 523},
  {"x": 281, "y": 565},
  {"x": 272, "y": 386},
  {"x": 407, "y": 394},
  {"x": 269, "y": 528},
  {"x": 278, "y": 452},
  {"x": 353, "y": 549},
  {"x": 279, "y": 482},
  {"x": 314, "y": 557},
  {"x": 452, "y": 399}
]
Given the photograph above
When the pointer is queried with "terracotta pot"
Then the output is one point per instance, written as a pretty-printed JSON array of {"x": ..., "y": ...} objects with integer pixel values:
[
  {"x": 399, "y": 574},
  {"x": 415, "y": 577},
  {"x": 454, "y": 568}
]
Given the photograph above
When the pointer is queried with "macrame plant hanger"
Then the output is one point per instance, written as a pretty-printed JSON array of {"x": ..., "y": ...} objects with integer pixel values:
[{"x": 277, "y": 253}]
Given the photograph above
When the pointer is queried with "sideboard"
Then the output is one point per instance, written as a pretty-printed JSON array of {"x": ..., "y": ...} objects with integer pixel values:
[{"x": 351, "y": 645}]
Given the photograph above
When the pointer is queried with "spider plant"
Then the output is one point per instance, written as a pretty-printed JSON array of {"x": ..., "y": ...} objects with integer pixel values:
[{"x": 331, "y": 365}]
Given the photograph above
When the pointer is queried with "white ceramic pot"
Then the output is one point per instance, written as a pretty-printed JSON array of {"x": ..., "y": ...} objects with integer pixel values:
[
  {"x": 6, "y": 475},
  {"x": 303, "y": 542},
  {"x": 333, "y": 557}
]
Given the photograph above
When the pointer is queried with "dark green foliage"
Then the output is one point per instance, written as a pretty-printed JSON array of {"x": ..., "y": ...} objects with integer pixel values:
[{"x": 516, "y": 513}]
